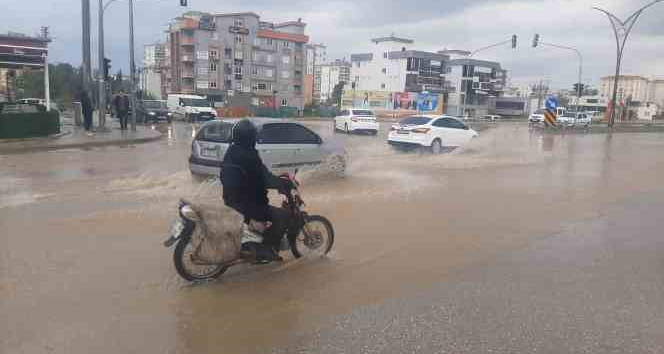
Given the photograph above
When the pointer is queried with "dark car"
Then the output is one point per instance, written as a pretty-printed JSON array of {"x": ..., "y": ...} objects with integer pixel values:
[{"x": 153, "y": 111}]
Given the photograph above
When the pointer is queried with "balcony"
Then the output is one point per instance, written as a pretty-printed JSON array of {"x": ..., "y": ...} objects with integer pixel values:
[
  {"x": 187, "y": 58},
  {"x": 187, "y": 41},
  {"x": 187, "y": 74}
]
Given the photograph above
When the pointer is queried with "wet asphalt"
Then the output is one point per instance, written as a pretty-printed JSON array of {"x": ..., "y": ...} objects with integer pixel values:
[{"x": 517, "y": 242}]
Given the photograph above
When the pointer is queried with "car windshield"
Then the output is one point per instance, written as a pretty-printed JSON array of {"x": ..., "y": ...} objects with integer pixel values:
[
  {"x": 154, "y": 104},
  {"x": 218, "y": 132},
  {"x": 362, "y": 112},
  {"x": 415, "y": 121},
  {"x": 196, "y": 102}
]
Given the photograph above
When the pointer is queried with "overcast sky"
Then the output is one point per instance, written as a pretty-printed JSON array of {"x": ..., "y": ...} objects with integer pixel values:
[{"x": 346, "y": 26}]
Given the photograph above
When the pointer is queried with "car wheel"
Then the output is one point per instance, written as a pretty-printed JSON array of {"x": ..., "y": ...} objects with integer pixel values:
[{"x": 436, "y": 146}]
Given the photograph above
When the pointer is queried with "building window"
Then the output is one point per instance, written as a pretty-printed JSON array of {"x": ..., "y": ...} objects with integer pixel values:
[
  {"x": 385, "y": 55},
  {"x": 284, "y": 102},
  {"x": 298, "y": 46},
  {"x": 238, "y": 21},
  {"x": 384, "y": 70},
  {"x": 213, "y": 84},
  {"x": 254, "y": 70},
  {"x": 213, "y": 67},
  {"x": 238, "y": 69},
  {"x": 227, "y": 84},
  {"x": 268, "y": 58},
  {"x": 268, "y": 72},
  {"x": 239, "y": 38},
  {"x": 228, "y": 54},
  {"x": 382, "y": 86},
  {"x": 257, "y": 41},
  {"x": 213, "y": 53},
  {"x": 285, "y": 59},
  {"x": 286, "y": 44},
  {"x": 239, "y": 54},
  {"x": 202, "y": 70},
  {"x": 261, "y": 85},
  {"x": 297, "y": 88},
  {"x": 269, "y": 41},
  {"x": 238, "y": 85},
  {"x": 285, "y": 74}
]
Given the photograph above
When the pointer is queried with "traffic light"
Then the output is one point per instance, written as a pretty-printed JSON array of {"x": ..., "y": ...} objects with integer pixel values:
[
  {"x": 514, "y": 41},
  {"x": 183, "y": 2},
  {"x": 107, "y": 67},
  {"x": 535, "y": 41}
]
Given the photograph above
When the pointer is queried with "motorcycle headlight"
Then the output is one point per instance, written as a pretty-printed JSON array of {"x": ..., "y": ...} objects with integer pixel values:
[
  {"x": 188, "y": 213},
  {"x": 169, "y": 114}
]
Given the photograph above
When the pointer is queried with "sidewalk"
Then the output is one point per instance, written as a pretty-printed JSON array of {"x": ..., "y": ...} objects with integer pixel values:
[{"x": 75, "y": 137}]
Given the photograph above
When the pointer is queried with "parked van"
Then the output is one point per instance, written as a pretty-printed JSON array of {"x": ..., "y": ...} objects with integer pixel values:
[{"x": 190, "y": 108}]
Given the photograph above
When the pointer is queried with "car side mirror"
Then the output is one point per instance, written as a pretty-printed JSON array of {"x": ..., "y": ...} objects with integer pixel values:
[{"x": 319, "y": 141}]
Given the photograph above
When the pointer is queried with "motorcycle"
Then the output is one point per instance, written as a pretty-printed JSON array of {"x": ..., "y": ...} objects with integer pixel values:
[{"x": 306, "y": 235}]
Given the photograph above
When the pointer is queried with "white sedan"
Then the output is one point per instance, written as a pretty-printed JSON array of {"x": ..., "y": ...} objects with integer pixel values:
[
  {"x": 430, "y": 131},
  {"x": 356, "y": 120}
]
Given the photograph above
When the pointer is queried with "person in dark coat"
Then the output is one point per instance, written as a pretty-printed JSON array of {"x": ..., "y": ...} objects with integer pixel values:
[
  {"x": 86, "y": 108},
  {"x": 246, "y": 181},
  {"x": 121, "y": 103}
]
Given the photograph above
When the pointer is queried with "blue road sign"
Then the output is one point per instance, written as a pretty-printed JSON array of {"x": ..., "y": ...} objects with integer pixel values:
[{"x": 551, "y": 104}]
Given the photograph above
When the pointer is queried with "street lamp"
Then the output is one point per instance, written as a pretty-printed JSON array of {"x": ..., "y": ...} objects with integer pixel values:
[{"x": 621, "y": 29}]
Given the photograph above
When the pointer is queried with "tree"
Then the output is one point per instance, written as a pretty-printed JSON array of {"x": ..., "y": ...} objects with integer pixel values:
[
  {"x": 337, "y": 92},
  {"x": 64, "y": 83}
]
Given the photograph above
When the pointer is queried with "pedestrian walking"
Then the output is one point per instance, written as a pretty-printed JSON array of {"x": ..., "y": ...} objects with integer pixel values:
[
  {"x": 121, "y": 103},
  {"x": 86, "y": 110}
]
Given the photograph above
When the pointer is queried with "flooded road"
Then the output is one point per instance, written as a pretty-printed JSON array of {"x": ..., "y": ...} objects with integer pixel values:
[{"x": 82, "y": 268}]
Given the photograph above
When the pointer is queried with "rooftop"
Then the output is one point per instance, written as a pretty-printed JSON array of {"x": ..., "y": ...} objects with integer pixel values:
[
  {"x": 393, "y": 38},
  {"x": 237, "y": 14}
]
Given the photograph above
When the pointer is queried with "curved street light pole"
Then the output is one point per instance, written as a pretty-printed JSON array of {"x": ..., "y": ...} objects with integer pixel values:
[
  {"x": 621, "y": 29},
  {"x": 468, "y": 89}
]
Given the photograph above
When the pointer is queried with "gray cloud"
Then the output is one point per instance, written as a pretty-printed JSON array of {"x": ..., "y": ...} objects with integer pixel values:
[{"x": 347, "y": 26}]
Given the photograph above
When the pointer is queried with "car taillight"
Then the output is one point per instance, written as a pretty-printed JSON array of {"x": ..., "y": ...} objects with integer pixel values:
[{"x": 421, "y": 130}]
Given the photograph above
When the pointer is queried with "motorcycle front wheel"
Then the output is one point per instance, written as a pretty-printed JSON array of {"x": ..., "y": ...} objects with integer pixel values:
[
  {"x": 315, "y": 239},
  {"x": 188, "y": 269}
]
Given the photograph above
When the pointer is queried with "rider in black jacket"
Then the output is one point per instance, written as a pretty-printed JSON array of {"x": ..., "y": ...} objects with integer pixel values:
[{"x": 246, "y": 181}]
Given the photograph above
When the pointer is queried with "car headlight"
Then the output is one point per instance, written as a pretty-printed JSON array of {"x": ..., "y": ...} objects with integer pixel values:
[
  {"x": 169, "y": 114},
  {"x": 152, "y": 113}
]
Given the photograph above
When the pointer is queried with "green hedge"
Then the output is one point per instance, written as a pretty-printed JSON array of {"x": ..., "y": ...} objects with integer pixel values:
[{"x": 27, "y": 125}]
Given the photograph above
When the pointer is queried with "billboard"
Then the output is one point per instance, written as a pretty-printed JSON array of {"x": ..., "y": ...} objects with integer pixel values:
[{"x": 420, "y": 101}]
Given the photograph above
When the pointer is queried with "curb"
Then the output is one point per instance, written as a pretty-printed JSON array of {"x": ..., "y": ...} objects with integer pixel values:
[{"x": 26, "y": 149}]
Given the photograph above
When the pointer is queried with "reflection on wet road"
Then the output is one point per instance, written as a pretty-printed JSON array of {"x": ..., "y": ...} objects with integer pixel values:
[{"x": 82, "y": 268}]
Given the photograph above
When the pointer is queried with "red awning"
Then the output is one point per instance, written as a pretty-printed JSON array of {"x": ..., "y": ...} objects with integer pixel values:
[{"x": 283, "y": 36}]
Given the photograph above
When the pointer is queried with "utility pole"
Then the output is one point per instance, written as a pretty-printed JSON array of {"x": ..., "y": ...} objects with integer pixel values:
[
  {"x": 47, "y": 88},
  {"x": 621, "y": 29},
  {"x": 87, "y": 63},
  {"x": 102, "y": 82},
  {"x": 132, "y": 66}
]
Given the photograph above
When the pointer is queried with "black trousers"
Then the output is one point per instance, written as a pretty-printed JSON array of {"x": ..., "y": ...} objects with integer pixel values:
[
  {"x": 280, "y": 219},
  {"x": 123, "y": 119},
  {"x": 87, "y": 121}
]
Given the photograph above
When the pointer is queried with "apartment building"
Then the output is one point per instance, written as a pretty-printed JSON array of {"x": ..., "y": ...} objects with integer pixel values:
[
  {"x": 633, "y": 87},
  {"x": 394, "y": 66},
  {"x": 332, "y": 74},
  {"x": 316, "y": 56},
  {"x": 474, "y": 84},
  {"x": 154, "y": 61},
  {"x": 238, "y": 59}
]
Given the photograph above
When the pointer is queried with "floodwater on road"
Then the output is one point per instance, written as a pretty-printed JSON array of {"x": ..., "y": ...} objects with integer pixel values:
[{"x": 82, "y": 268}]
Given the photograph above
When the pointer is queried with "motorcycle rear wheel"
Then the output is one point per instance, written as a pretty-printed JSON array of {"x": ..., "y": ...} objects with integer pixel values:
[
  {"x": 182, "y": 257},
  {"x": 315, "y": 239}
]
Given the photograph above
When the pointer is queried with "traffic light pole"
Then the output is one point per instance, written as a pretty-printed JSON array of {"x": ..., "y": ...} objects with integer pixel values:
[
  {"x": 578, "y": 86},
  {"x": 102, "y": 79},
  {"x": 467, "y": 90},
  {"x": 132, "y": 66}
]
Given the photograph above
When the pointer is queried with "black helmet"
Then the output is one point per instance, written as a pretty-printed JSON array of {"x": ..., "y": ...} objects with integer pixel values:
[{"x": 244, "y": 133}]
